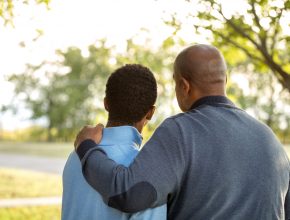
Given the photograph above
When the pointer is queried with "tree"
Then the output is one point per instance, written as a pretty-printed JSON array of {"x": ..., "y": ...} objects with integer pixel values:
[
  {"x": 64, "y": 92},
  {"x": 68, "y": 93},
  {"x": 255, "y": 31},
  {"x": 7, "y": 8},
  {"x": 266, "y": 100},
  {"x": 255, "y": 46}
]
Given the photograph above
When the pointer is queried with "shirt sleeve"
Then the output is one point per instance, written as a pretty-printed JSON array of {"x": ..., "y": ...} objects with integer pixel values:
[{"x": 149, "y": 181}]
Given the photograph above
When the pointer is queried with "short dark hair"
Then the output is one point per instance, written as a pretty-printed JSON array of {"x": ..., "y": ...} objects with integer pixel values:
[{"x": 131, "y": 91}]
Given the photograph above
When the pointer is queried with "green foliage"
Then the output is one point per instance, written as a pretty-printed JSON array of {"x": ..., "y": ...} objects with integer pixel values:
[
  {"x": 69, "y": 92},
  {"x": 254, "y": 43},
  {"x": 63, "y": 92},
  {"x": 265, "y": 100},
  {"x": 7, "y": 8},
  {"x": 32, "y": 133},
  {"x": 255, "y": 30}
]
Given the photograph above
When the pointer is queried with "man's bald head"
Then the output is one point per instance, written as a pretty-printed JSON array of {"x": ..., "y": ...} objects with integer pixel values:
[{"x": 202, "y": 65}]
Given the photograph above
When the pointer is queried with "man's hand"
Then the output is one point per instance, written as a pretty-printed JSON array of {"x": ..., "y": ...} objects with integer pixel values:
[{"x": 94, "y": 133}]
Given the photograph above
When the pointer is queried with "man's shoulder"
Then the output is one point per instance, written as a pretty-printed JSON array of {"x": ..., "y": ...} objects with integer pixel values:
[
  {"x": 174, "y": 118},
  {"x": 185, "y": 115},
  {"x": 181, "y": 119},
  {"x": 172, "y": 124},
  {"x": 206, "y": 115}
]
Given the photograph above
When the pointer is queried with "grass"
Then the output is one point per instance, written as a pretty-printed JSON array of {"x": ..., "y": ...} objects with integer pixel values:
[
  {"x": 31, "y": 213},
  {"x": 60, "y": 150},
  {"x": 19, "y": 184}
]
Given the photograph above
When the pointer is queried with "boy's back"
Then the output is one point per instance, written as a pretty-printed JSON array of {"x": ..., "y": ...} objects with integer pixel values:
[
  {"x": 81, "y": 201},
  {"x": 131, "y": 92}
]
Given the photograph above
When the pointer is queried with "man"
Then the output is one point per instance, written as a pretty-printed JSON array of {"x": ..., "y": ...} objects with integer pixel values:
[
  {"x": 131, "y": 92},
  {"x": 213, "y": 161}
]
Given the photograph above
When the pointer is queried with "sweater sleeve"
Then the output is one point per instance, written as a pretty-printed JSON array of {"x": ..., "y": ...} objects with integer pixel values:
[{"x": 149, "y": 181}]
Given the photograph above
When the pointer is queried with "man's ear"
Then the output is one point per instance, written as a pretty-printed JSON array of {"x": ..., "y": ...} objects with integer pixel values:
[
  {"x": 150, "y": 113},
  {"x": 106, "y": 104},
  {"x": 185, "y": 85}
]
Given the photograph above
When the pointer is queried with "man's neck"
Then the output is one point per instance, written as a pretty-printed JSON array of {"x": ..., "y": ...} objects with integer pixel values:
[{"x": 199, "y": 95}]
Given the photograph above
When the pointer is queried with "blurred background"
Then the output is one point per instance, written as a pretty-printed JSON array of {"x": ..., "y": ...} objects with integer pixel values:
[{"x": 55, "y": 58}]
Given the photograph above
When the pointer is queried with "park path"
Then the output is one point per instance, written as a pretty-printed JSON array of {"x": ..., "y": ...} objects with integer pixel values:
[
  {"x": 7, "y": 203},
  {"x": 34, "y": 163}
]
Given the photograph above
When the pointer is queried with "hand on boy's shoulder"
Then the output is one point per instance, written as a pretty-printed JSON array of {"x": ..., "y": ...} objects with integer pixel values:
[{"x": 94, "y": 133}]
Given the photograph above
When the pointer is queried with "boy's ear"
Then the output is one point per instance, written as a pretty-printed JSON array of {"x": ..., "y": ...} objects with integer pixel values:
[
  {"x": 106, "y": 104},
  {"x": 150, "y": 113}
]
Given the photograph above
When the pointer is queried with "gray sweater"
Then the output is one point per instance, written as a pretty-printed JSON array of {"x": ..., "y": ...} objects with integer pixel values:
[{"x": 212, "y": 162}]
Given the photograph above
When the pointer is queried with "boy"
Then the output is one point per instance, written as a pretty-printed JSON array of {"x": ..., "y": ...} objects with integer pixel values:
[{"x": 131, "y": 92}]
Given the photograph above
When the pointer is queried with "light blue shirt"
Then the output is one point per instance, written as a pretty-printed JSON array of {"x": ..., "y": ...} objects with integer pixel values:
[{"x": 81, "y": 202}]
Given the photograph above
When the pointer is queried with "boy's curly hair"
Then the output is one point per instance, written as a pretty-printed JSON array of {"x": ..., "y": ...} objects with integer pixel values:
[{"x": 131, "y": 91}]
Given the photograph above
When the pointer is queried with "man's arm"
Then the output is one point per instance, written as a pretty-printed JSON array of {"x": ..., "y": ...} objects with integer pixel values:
[
  {"x": 157, "y": 213},
  {"x": 154, "y": 175}
]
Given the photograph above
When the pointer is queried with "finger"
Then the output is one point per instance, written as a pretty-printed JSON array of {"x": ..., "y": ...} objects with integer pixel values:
[
  {"x": 99, "y": 128},
  {"x": 86, "y": 126},
  {"x": 100, "y": 125}
]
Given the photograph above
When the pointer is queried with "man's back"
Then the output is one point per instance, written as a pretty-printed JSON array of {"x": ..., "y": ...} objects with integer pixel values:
[
  {"x": 235, "y": 167},
  {"x": 214, "y": 162},
  {"x": 81, "y": 201}
]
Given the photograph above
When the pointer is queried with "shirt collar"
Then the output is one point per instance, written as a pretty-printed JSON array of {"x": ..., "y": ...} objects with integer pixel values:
[
  {"x": 121, "y": 135},
  {"x": 214, "y": 101}
]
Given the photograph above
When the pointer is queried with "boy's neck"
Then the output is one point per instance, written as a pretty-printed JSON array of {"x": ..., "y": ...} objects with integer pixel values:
[{"x": 117, "y": 124}]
